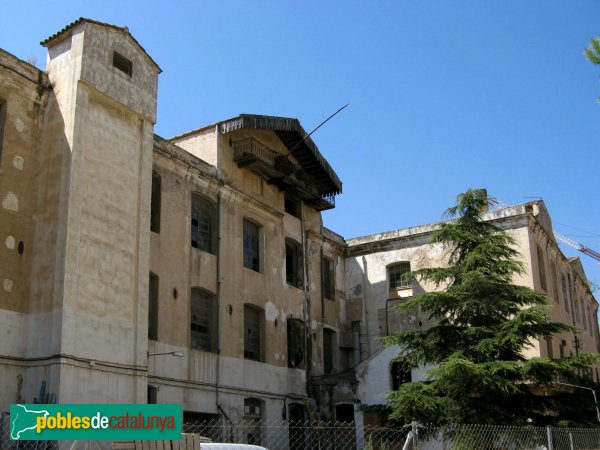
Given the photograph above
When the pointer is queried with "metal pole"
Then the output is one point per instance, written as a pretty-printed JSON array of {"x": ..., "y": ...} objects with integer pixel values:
[
  {"x": 571, "y": 441},
  {"x": 550, "y": 440},
  {"x": 589, "y": 389}
]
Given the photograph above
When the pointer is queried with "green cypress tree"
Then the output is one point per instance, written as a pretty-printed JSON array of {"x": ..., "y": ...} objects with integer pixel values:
[
  {"x": 592, "y": 52},
  {"x": 483, "y": 322}
]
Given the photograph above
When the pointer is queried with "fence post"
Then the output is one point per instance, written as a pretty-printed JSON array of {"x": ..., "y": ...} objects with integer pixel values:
[
  {"x": 571, "y": 441},
  {"x": 550, "y": 440},
  {"x": 415, "y": 431}
]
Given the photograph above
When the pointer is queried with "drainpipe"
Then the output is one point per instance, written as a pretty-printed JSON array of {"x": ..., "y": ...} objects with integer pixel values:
[
  {"x": 218, "y": 285},
  {"x": 356, "y": 342},
  {"x": 365, "y": 306},
  {"x": 306, "y": 309}
]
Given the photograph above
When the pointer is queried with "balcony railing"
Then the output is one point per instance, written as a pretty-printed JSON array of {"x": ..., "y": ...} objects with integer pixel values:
[{"x": 250, "y": 149}]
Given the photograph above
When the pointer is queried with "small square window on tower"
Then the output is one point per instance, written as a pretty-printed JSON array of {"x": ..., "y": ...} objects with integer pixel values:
[{"x": 122, "y": 63}]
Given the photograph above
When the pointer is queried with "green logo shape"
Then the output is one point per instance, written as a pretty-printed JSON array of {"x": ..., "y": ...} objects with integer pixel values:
[{"x": 95, "y": 422}]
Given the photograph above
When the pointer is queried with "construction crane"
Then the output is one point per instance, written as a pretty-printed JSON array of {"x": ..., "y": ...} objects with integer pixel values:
[
  {"x": 565, "y": 239},
  {"x": 577, "y": 246}
]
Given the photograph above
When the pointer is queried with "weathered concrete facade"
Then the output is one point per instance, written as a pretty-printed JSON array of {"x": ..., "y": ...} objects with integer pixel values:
[
  {"x": 122, "y": 250},
  {"x": 546, "y": 270}
]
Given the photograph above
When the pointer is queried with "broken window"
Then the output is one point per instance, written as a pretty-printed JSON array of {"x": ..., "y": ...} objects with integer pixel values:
[
  {"x": 399, "y": 375},
  {"x": 328, "y": 350},
  {"x": 398, "y": 275},
  {"x": 153, "y": 307},
  {"x": 293, "y": 263},
  {"x": 295, "y": 343},
  {"x": 201, "y": 323},
  {"x": 541, "y": 268},
  {"x": 155, "y": 203},
  {"x": 122, "y": 63},
  {"x": 203, "y": 217},
  {"x": 251, "y": 246},
  {"x": 328, "y": 278},
  {"x": 253, "y": 333}
]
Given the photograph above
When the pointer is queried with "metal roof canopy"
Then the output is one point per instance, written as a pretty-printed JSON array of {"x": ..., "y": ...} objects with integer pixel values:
[{"x": 301, "y": 147}]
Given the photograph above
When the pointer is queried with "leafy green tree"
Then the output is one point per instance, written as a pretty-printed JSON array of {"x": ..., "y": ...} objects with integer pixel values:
[{"x": 483, "y": 323}]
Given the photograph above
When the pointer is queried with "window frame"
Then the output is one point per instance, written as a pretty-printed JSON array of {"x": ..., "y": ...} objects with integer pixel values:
[
  {"x": 328, "y": 278},
  {"x": 257, "y": 352},
  {"x": 199, "y": 338},
  {"x": 251, "y": 251},
  {"x": 155, "y": 202},
  {"x": 397, "y": 282},
  {"x": 294, "y": 255},
  {"x": 398, "y": 375},
  {"x": 122, "y": 63},
  {"x": 296, "y": 326},
  {"x": 541, "y": 268},
  {"x": 153, "y": 300},
  {"x": 292, "y": 205},
  {"x": 202, "y": 214},
  {"x": 329, "y": 339},
  {"x": 3, "y": 109}
]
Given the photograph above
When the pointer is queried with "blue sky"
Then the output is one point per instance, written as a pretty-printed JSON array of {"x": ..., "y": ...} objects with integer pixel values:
[{"x": 444, "y": 95}]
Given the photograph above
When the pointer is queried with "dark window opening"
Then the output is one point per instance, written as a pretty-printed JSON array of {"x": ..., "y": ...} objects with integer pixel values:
[
  {"x": 328, "y": 343},
  {"x": 122, "y": 63},
  {"x": 153, "y": 307},
  {"x": 554, "y": 275},
  {"x": 344, "y": 413},
  {"x": 295, "y": 343},
  {"x": 155, "y": 204},
  {"x": 293, "y": 264},
  {"x": 152, "y": 395},
  {"x": 561, "y": 348},
  {"x": 251, "y": 246},
  {"x": 201, "y": 320},
  {"x": 292, "y": 205},
  {"x": 398, "y": 275},
  {"x": 253, "y": 333},
  {"x": 564, "y": 292},
  {"x": 542, "y": 268},
  {"x": 328, "y": 278},
  {"x": 203, "y": 226},
  {"x": 400, "y": 375}
]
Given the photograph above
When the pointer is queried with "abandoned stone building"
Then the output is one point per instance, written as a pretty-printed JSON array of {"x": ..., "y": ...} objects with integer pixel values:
[{"x": 196, "y": 269}]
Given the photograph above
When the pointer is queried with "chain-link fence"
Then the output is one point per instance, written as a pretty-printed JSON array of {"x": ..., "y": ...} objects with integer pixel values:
[{"x": 289, "y": 435}]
